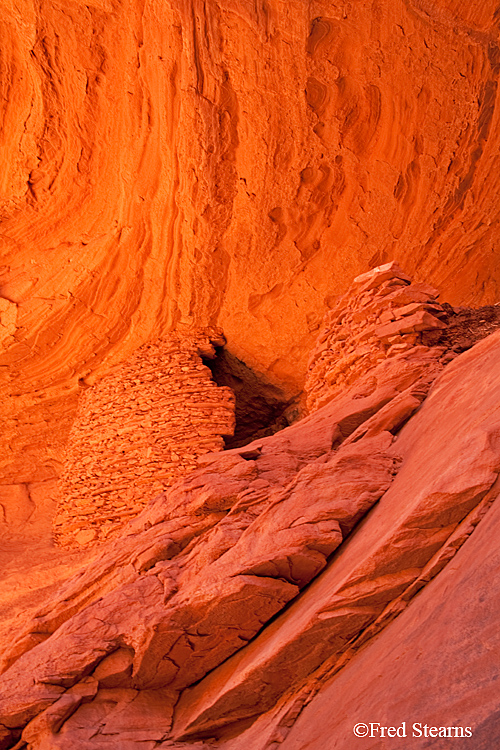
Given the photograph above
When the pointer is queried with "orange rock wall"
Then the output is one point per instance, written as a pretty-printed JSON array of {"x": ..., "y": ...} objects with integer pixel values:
[
  {"x": 136, "y": 431},
  {"x": 227, "y": 162}
]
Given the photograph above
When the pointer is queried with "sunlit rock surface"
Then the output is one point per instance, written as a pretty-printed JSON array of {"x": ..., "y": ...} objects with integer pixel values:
[
  {"x": 233, "y": 163},
  {"x": 169, "y": 164}
]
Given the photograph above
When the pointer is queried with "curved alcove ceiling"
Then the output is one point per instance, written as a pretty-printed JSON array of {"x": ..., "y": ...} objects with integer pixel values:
[{"x": 178, "y": 163}]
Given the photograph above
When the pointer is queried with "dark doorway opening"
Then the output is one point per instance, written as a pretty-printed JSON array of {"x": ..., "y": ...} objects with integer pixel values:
[{"x": 261, "y": 408}]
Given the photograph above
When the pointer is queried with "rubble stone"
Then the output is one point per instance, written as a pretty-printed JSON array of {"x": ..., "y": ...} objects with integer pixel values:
[{"x": 138, "y": 430}]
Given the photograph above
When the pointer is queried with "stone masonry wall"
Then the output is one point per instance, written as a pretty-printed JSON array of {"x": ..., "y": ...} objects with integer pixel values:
[
  {"x": 382, "y": 314},
  {"x": 138, "y": 430}
]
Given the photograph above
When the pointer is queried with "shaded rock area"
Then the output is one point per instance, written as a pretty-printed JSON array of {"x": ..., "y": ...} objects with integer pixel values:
[
  {"x": 241, "y": 599},
  {"x": 466, "y": 326},
  {"x": 436, "y": 665},
  {"x": 261, "y": 408}
]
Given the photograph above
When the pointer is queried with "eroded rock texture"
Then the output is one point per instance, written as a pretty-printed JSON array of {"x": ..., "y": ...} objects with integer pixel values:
[
  {"x": 383, "y": 315},
  {"x": 251, "y": 585},
  {"x": 137, "y": 431},
  {"x": 227, "y": 162}
]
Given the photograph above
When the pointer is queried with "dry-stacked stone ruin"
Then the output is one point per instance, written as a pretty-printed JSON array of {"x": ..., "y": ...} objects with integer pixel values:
[
  {"x": 383, "y": 314},
  {"x": 138, "y": 430}
]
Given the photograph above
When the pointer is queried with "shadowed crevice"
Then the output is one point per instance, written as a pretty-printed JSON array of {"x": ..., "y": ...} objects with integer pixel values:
[{"x": 261, "y": 408}]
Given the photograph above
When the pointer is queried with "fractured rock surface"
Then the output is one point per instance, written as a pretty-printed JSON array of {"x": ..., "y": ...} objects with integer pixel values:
[
  {"x": 382, "y": 315},
  {"x": 249, "y": 583},
  {"x": 448, "y": 468},
  {"x": 436, "y": 664}
]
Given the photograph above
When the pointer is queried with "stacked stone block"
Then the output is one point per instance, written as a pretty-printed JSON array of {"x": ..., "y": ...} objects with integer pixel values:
[
  {"x": 137, "y": 431},
  {"x": 382, "y": 314}
]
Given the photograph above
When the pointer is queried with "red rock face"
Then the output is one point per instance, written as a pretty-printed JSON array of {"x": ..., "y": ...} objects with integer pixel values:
[
  {"x": 232, "y": 163},
  {"x": 170, "y": 164},
  {"x": 254, "y": 582}
]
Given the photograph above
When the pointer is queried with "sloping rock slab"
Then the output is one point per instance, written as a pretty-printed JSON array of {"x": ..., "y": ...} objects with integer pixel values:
[
  {"x": 437, "y": 664},
  {"x": 451, "y": 459}
]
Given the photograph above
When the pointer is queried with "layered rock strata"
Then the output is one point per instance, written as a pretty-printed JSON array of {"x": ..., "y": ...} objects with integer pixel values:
[
  {"x": 228, "y": 162},
  {"x": 268, "y": 567},
  {"x": 138, "y": 430}
]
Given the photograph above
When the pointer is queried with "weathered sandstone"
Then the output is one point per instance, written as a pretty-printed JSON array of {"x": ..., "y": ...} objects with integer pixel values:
[
  {"x": 232, "y": 163},
  {"x": 446, "y": 472},
  {"x": 247, "y": 584},
  {"x": 435, "y": 664},
  {"x": 171, "y": 165}
]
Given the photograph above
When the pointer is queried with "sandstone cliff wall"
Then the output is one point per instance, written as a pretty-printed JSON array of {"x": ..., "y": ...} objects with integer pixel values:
[
  {"x": 228, "y": 162},
  {"x": 137, "y": 431}
]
